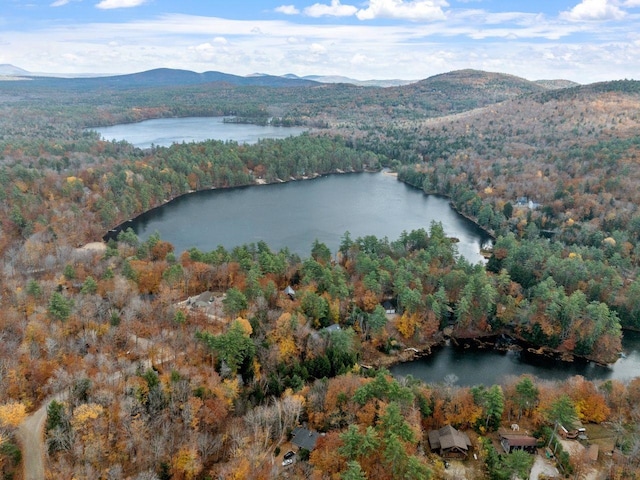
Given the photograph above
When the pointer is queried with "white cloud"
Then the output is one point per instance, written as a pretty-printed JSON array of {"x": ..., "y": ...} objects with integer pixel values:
[
  {"x": 59, "y": 3},
  {"x": 408, "y": 10},
  {"x": 409, "y": 50},
  {"x": 111, "y": 4},
  {"x": 205, "y": 50},
  {"x": 632, "y": 3},
  {"x": 360, "y": 59},
  {"x": 336, "y": 9},
  {"x": 287, "y": 10},
  {"x": 317, "y": 49},
  {"x": 589, "y": 10}
]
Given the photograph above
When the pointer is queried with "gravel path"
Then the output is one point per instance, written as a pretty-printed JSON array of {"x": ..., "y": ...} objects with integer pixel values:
[
  {"x": 30, "y": 435},
  {"x": 542, "y": 466}
]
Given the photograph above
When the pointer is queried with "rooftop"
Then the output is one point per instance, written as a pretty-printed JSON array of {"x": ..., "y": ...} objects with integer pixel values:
[{"x": 303, "y": 438}]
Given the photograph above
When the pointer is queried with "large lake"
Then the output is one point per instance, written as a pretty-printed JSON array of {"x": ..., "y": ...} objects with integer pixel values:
[
  {"x": 163, "y": 132},
  {"x": 296, "y": 213},
  {"x": 471, "y": 366}
]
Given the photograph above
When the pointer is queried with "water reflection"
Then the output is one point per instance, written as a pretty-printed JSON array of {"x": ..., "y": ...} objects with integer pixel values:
[{"x": 485, "y": 366}]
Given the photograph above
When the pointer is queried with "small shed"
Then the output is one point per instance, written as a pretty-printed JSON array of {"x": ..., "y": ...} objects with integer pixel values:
[
  {"x": 290, "y": 291},
  {"x": 519, "y": 442},
  {"x": 304, "y": 438},
  {"x": 449, "y": 442}
]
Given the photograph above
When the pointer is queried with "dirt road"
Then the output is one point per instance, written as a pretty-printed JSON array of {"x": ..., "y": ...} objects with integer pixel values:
[{"x": 30, "y": 435}]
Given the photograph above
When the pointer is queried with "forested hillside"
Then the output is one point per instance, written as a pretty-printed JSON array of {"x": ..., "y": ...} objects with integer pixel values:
[{"x": 158, "y": 365}]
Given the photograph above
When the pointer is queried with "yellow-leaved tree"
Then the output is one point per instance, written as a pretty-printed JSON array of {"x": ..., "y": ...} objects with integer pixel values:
[
  {"x": 186, "y": 464},
  {"x": 283, "y": 337},
  {"x": 407, "y": 323},
  {"x": 12, "y": 414}
]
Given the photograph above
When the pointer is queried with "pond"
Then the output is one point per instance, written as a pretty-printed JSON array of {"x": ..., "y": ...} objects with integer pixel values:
[
  {"x": 473, "y": 366},
  {"x": 163, "y": 132}
]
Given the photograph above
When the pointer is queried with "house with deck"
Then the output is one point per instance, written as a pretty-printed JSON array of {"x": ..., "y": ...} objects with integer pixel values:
[{"x": 449, "y": 442}]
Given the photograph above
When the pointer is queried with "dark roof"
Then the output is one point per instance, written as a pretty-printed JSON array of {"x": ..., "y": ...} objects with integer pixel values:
[
  {"x": 448, "y": 437},
  {"x": 388, "y": 305},
  {"x": 205, "y": 297},
  {"x": 303, "y": 438},
  {"x": 521, "y": 440}
]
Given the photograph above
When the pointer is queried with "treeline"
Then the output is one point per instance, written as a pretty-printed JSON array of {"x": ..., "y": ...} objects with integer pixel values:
[{"x": 118, "y": 182}]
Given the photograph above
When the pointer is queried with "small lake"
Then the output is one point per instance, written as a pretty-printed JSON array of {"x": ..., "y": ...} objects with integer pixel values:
[
  {"x": 296, "y": 213},
  {"x": 471, "y": 366},
  {"x": 163, "y": 132}
]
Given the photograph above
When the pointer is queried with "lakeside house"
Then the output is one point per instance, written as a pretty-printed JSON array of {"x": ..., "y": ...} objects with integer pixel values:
[{"x": 449, "y": 442}]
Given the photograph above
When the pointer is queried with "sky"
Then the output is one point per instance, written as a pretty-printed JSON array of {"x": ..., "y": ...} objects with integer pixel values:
[{"x": 581, "y": 40}]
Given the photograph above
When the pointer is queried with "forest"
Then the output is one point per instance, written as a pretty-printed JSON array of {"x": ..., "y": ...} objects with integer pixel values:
[{"x": 153, "y": 364}]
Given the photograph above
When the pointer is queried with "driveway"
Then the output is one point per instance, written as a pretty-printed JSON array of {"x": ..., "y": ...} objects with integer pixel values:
[{"x": 543, "y": 466}]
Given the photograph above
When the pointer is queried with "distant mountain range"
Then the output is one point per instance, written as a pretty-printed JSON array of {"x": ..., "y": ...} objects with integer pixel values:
[
  {"x": 10, "y": 70},
  {"x": 162, "y": 77},
  {"x": 352, "y": 81}
]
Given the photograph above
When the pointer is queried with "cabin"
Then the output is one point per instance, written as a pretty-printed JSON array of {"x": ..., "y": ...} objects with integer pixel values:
[
  {"x": 449, "y": 442},
  {"x": 304, "y": 438},
  {"x": 389, "y": 307},
  {"x": 290, "y": 292},
  {"x": 511, "y": 443}
]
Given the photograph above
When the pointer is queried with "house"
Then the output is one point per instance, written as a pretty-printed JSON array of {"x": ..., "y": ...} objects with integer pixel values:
[
  {"x": 201, "y": 301},
  {"x": 331, "y": 328},
  {"x": 519, "y": 442},
  {"x": 389, "y": 307},
  {"x": 290, "y": 291},
  {"x": 449, "y": 442},
  {"x": 303, "y": 438}
]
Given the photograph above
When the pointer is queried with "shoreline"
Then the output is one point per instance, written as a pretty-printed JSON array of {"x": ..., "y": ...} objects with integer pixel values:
[
  {"x": 258, "y": 182},
  {"x": 480, "y": 340},
  {"x": 501, "y": 342}
]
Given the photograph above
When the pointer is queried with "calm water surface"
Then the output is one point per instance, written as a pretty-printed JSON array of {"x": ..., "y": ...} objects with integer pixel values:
[
  {"x": 297, "y": 213},
  {"x": 163, "y": 132},
  {"x": 488, "y": 367}
]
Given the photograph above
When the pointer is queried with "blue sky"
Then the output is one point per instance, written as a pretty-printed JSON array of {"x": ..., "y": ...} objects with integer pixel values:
[{"x": 580, "y": 40}]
